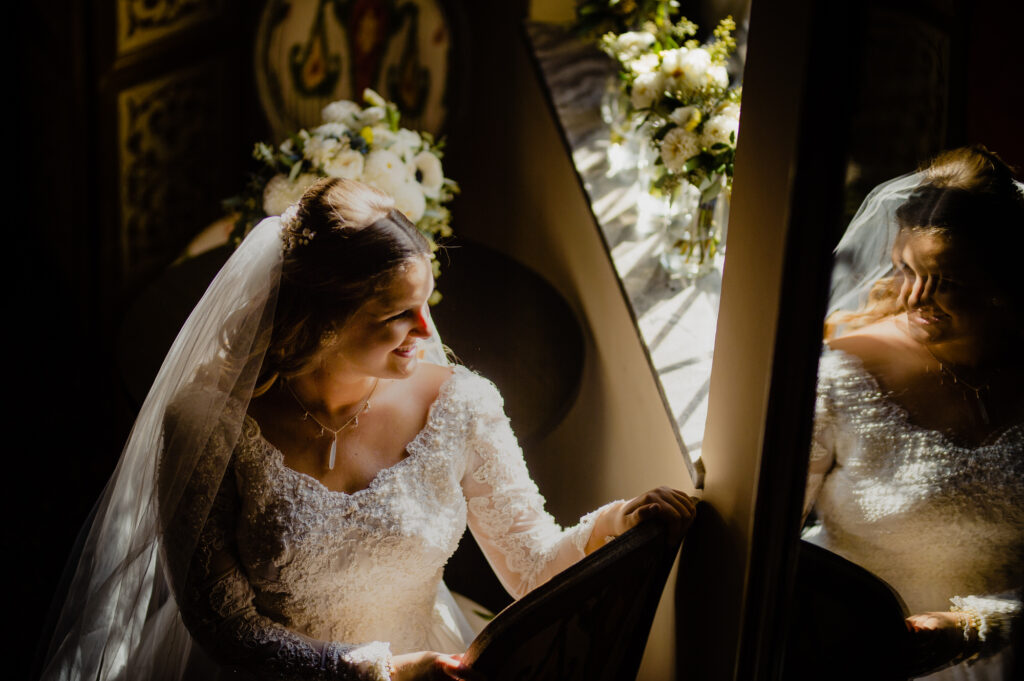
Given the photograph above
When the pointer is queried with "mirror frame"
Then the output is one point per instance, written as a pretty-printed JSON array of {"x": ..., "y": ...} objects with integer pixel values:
[{"x": 739, "y": 560}]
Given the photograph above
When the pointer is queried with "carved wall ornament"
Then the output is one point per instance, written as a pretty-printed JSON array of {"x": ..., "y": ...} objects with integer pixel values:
[
  {"x": 309, "y": 53},
  {"x": 143, "y": 22},
  {"x": 169, "y": 158}
]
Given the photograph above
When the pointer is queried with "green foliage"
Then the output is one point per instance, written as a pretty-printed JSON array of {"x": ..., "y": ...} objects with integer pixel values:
[
  {"x": 724, "y": 43},
  {"x": 594, "y": 18}
]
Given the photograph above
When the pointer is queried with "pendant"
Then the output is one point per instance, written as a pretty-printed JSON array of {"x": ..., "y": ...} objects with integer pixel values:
[{"x": 334, "y": 454}]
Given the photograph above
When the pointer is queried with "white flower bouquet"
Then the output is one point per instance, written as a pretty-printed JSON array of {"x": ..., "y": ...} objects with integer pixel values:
[
  {"x": 678, "y": 91},
  {"x": 364, "y": 143}
]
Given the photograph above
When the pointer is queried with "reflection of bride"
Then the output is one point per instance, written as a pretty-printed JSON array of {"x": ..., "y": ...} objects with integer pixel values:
[
  {"x": 917, "y": 469},
  {"x": 297, "y": 479}
]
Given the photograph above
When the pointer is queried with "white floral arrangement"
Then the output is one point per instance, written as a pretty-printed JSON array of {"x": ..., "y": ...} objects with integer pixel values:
[
  {"x": 678, "y": 92},
  {"x": 364, "y": 143}
]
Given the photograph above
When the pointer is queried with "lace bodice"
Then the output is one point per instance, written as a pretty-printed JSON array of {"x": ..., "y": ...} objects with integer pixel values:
[
  {"x": 936, "y": 520},
  {"x": 293, "y": 579}
]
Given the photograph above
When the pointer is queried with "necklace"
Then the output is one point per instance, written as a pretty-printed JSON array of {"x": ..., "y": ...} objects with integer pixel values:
[
  {"x": 976, "y": 389},
  {"x": 353, "y": 421}
]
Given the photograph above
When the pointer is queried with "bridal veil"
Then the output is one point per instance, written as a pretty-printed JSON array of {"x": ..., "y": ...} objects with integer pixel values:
[{"x": 119, "y": 619}]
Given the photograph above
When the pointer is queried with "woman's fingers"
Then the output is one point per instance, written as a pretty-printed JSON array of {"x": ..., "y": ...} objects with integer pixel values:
[
  {"x": 662, "y": 497},
  {"x": 676, "y": 509},
  {"x": 664, "y": 503},
  {"x": 686, "y": 500},
  {"x": 680, "y": 502},
  {"x": 673, "y": 501},
  {"x": 428, "y": 665},
  {"x": 452, "y": 667}
]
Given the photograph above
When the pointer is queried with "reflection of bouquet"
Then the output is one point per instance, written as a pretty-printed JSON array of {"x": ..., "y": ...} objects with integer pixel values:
[
  {"x": 357, "y": 143},
  {"x": 679, "y": 93},
  {"x": 594, "y": 18}
]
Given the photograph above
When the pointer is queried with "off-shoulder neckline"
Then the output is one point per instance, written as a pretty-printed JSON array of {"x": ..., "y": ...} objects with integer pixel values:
[
  {"x": 855, "y": 364},
  {"x": 413, "y": 449}
]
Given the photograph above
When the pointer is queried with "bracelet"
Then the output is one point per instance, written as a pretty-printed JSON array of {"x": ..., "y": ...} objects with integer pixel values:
[
  {"x": 971, "y": 621},
  {"x": 391, "y": 669}
]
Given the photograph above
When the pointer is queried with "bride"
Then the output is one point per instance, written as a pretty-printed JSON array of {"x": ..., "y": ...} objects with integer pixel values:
[
  {"x": 302, "y": 469},
  {"x": 917, "y": 465}
]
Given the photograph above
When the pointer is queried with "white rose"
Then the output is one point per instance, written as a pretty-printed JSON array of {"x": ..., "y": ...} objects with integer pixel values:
[
  {"x": 386, "y": 171},
  {"x": 280, "y": 192},
  {"x": 347, "y": 164},
  {"x": 632, "y": 43},
  {"x": 686, "y": 117},
  {"x": 718, "y": 129},
  {"x": 717, "y": 76},
  {"x": 410, "y": 200},
  {"x": 429, "y": 173},
  {"x": 694, "y": 66},
  {"x": 343, "y": 111},
  {"x": 678, "y": 147},
  {"x": 672, "y": 63},
  {"x": 645, "y": 63},
  {"x": 647, "y": 88}
]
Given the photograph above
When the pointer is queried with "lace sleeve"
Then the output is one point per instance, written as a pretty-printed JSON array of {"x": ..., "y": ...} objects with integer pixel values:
[
  {"x": 994, "y": 618},
  {"x": 522, "y": 542},
  {"x": 217, "y": 603}
]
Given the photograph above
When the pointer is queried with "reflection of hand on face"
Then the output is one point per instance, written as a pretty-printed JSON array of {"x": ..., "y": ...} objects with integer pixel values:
[
  {"x": 940, "y": 639},
  {"x": 942, "y": 291}
]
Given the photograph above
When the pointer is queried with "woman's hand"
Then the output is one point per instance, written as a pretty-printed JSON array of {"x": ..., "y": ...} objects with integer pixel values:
[
  {"x": 939, "y": 639},
  {"x": 431, "y": 666},
  {"x": 665, "y": 504}
]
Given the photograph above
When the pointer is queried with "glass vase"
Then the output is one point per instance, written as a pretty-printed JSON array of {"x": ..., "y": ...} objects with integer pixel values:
[
  {"x": 622, "y": 148},
  {"x": 693, "y": 230},
  {"x": 614, "y": 103},
  {"x": 652, "y": 205}
]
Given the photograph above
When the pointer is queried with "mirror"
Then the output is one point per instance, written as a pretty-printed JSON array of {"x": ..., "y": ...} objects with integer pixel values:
[
  {"x": 670, "y": 279},
  {"x": 915, "y": 469}
]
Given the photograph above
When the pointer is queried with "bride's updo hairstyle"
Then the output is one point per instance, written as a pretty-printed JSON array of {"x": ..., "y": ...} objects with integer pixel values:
[
  {"x": 343, "y": 243},
  {"x": 969, "y": 198}
]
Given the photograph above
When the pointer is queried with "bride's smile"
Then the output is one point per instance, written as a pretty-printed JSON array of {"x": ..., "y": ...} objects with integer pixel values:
[{"x": 381, "y": 337}]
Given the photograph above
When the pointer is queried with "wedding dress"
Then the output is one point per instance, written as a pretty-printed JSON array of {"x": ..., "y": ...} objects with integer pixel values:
[
  {"x": 299, "y": 580},
  {"x": 942, "y": 523}
]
